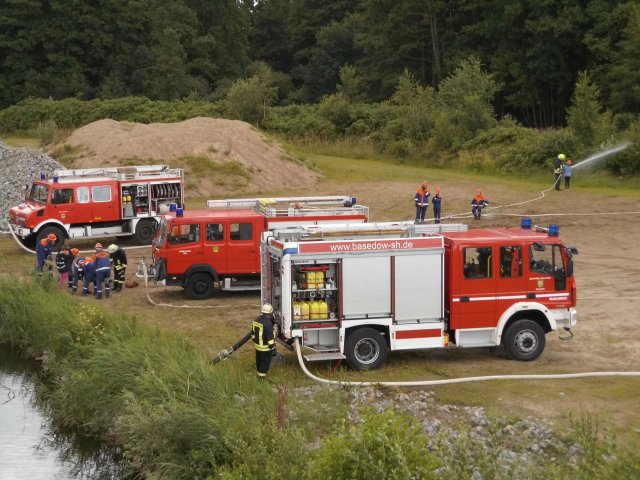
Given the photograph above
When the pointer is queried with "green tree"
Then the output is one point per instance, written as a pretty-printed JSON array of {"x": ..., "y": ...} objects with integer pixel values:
[
  {"x": 249, "y": 99},
  {"x": 585, "y": 117},
  {"x": 351, "y": 84}
]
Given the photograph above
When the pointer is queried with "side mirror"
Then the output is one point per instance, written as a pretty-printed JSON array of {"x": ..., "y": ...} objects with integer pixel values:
[{"x": 538, "y": 247}]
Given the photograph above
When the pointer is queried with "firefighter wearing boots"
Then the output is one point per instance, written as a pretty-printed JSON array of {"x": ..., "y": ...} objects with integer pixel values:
[
  {"x": 477, "y": 204},
  {"x": 103, "y": 272},
  {"x": 119, "y": 261},
  {"x": 77, "y": 268},
  {"x": 422, "y": 202},
  {"x": 44, "y": 248},
  {"x": 63, "y": 264},
  {"x": 557, "y": 169},
  {"x": 264, "y": 340},
  {"x": 73, "y": 255},
  {"x": 88, "y": 275},
  {"x": 436, "y": 200}
]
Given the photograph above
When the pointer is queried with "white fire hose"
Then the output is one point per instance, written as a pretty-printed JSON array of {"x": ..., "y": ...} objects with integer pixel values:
[{"x": 450, "y": 381}]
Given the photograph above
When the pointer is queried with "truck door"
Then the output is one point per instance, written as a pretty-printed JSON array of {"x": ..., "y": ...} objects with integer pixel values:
[
  {"x": 243, "y": 247},
  {"x": 546, "y": 279},
  {"x": 63, "y": 205},
  {"x": 183, "y": 248},
  {"x": 473, "y": 290},
  {"x": 215, "y": 250},
  {"x": 511, "y": 283},
  {"x": 104, "y": 203}
]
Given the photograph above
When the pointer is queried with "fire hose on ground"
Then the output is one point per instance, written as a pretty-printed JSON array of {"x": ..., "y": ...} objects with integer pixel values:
[{"x": 224, "y": 354}]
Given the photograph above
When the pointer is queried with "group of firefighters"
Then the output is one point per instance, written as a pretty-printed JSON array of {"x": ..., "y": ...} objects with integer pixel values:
[
  {"x": 72, "y": 267},
  {"x": 423, "y": 195}
]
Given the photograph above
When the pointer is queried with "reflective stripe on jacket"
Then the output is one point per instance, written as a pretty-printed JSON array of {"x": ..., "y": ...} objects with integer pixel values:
[
  {"x": 422, "y": 197},
  {"x": 263, "y": 338}
]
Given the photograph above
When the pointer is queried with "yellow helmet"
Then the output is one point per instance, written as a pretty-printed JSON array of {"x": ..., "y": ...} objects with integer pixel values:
[
  {"x": 267, "y": 308},
  {"x": 561, "y": 156}
]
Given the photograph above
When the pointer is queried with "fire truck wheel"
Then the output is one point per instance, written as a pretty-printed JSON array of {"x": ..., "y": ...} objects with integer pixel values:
[
  {"x": 57, "y": 232},
  {"x": 145, "y": 229},
  {"x": 365, "y": 349},
  {"x": 199, "y": 286},
  {"x": 524, "y": 340}
]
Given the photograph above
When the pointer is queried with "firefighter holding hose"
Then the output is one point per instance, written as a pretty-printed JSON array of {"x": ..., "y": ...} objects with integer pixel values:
[
  {"x": 264, "y": 340},
  {"x": 119, "y": 261}
]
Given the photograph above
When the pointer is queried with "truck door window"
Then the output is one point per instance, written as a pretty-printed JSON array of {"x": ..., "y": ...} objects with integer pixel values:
[
  {"x": 545, "y": 260},
  {"x": 184, "y": 234},
  {"x": 510, "y": 262},
  {"x": 214, "y": 232},
  {"x": 101, "y": 193},
  {"x": 477, "y": 262},
  {"x": 62, "y": 195},
  {"x": 241, "y": 231},
  {"x": 83, "y": 194}
]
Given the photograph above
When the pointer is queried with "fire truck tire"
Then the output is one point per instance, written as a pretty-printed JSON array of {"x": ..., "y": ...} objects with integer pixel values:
[
  {"x": 365, "y": 349},
  {"x": 524, "y": 340},
  {"x": 199, "y": 286},
  {"x": 145, "y": 229},
  {"x": 58, "y": 232}
]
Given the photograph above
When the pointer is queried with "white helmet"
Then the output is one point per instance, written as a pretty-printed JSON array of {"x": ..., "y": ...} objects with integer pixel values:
[
  {"x": 112, "y": 248},
  {"x": 267, "y": 308}
]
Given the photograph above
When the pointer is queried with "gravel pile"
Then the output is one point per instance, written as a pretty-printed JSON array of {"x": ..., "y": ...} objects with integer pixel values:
[{"x": 18, "y": 167}]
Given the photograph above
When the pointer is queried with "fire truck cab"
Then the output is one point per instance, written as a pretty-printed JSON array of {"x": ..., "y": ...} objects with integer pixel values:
[
  {"x": 199, "y": 250},
  {"x": 98, "y": 202},
  {"x": 358, "y": 293}
]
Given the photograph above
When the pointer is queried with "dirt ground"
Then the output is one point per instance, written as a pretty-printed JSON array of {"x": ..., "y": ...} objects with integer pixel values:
[{"x": 603, "y": 225}]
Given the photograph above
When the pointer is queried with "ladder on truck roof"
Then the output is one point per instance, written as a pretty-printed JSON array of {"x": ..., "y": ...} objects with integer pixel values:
[
  {"x": 296, "y": 206},
  {"x": 366, "y": 230},
  {"x": 141, "y": 172}
]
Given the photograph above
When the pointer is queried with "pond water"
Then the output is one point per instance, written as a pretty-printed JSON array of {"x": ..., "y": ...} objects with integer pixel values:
[{"x": 29, "y": 448}]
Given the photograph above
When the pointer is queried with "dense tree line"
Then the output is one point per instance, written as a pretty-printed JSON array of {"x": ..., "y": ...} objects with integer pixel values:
[{"x": 534, "y": 49}]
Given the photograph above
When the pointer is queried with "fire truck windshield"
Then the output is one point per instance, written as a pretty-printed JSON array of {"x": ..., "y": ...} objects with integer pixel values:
[{"x": 39, "y": 193}]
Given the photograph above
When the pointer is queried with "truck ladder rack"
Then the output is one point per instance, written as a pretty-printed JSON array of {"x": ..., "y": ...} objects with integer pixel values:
[
  {"x": 296, "y": 206},
  {"x": 142, "y": 172}
]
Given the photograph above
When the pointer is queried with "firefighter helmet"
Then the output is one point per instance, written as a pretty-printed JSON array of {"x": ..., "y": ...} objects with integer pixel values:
[
  {"x": 267, "y": 308},
  {"x": 75, "y": 251},
  {"x": 561, "y": 156},
  {"x": 113, "y": 248},
  {"x": 52, "y": 237}
]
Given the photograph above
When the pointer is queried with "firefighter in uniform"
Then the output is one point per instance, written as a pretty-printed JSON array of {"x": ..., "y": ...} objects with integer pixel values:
[
  {"x": 103, "y": 272},
  {"x": 557, "y": 169},
  {"x": 73, "y": 255},
  {"x": 44, "y": 248},
  {"x": 264, "y": 340},
  {"x": 63, "y": 264},
  {"x": 88, "y": 275},
  {"x": 119, "y": 261},
  {"x": 422, "y": 202},
  {"x": 436, "y": 200},
  {"x": 477, "y": 204}
]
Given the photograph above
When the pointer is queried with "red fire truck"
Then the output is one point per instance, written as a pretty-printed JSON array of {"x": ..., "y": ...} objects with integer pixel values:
[
  {"x": 198, "y": 249},
  {"x": 359, "y": 292},
  {"x": 98, "y": 202}
]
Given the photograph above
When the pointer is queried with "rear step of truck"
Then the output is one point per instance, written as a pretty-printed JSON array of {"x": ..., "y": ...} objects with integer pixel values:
[{"x": 317, "y": 357}]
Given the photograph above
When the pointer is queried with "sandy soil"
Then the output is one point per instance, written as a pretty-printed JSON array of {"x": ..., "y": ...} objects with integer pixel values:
[{"x": 110, "y": 143}]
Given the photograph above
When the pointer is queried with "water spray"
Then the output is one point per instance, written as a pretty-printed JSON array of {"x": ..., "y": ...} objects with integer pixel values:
[{"x": 602, "y": 155}]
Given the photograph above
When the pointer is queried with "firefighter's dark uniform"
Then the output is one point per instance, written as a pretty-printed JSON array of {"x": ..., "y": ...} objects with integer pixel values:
[
  {"x": 264, "y": 342},
  {"x": 119, "y": 260}
]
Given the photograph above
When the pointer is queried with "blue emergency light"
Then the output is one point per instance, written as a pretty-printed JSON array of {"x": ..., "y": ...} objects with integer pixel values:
[
  {"x": 179, "y": 212},
  {"x": 55, "y": 179},
  {"x": 526, "y": 223},
  {"x": 554, "y": 230},
  {"x": 43, "y": 176},
  {"x": 173, "y": 207}
]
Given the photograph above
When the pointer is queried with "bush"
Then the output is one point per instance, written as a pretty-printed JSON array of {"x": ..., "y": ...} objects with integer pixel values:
[{"x": 385, "y": 445}]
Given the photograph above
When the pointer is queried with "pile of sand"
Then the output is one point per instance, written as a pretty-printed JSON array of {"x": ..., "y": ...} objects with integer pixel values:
[{"x": 265, "y": 165}]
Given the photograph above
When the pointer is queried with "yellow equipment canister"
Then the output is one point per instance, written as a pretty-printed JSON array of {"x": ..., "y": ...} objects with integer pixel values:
[
  {"x": 324, "y": 309},
  {"x": 304, "y": 311},
  {"x": 314, "y": 310},
  {"x": 297, "y": 313}
]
